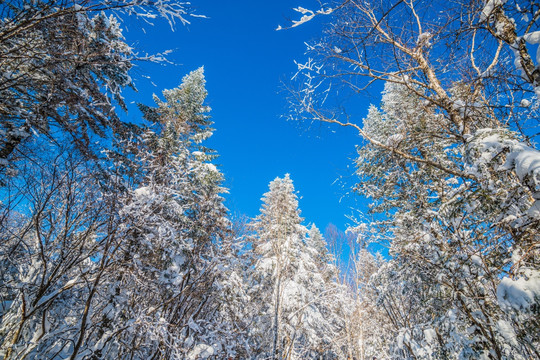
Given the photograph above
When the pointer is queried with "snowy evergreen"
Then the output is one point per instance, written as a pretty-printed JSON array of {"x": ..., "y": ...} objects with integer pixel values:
[{"x": 292, "y": 270}]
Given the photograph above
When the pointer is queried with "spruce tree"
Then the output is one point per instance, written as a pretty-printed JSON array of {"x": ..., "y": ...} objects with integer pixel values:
[{"x": 293, "y": 280}]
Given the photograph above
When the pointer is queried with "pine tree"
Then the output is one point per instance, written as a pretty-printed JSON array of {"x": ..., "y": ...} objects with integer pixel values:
[
  {"x": 172, "y": 225},
  {"x": 293, "y": 280}
]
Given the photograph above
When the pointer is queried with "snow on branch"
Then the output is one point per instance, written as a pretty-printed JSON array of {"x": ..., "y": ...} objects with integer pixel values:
[{"x": 307, "y": 15}]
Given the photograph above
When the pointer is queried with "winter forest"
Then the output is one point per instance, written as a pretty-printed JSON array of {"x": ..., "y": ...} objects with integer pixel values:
[{"x": 117, "y": 242}]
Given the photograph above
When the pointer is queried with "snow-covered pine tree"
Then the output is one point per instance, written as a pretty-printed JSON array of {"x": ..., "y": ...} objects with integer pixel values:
[
  {"x": 323, "y": 323},
  {"x": 172, "y": 225},
  {"x": 292, "y": 281}
]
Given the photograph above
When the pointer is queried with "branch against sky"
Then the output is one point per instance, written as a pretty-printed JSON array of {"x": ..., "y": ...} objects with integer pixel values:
[{"x": 428, "y": 46}]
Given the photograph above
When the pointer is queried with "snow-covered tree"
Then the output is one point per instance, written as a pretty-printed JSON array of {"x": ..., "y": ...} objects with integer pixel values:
[
  {"x": 163, "y": 295},
  {"x": 454, "y": 242},
  {"x": 139, "y": 264},
  {"x": 63, "y": 66},
  {"x": 293, "y": 280},
  {"x": 58, "y": 236}
]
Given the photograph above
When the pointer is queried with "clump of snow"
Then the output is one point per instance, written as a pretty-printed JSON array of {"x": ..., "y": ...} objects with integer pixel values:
[
  {"x": 525, "y": 103},
  {"x": 201, "y": 351},
  {"x": 532, "y": 37},
  {"x": 489, "y": 7},
  {"x": 143, "y": 192},
  {"x": 394, "y": 139},
  {"x": 476, "y": 260},
  {"x": 519, "y": 294},
  {"x": 303, "y": 19},
  {"x": 430, "y": 335},
  {"x": 506, "y": 330},
  {"x": 534, "y": 211},
  {"x": 423, "y": 39},
  {"x": 307, "y": 15},
  {"x": 527, "y": 162},
  {"x": 522, "y": 159},
  {"x": 211, "y": 167}
]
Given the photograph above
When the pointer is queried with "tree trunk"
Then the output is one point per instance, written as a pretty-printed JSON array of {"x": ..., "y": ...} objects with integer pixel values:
[{"x": 275, "y": 351}]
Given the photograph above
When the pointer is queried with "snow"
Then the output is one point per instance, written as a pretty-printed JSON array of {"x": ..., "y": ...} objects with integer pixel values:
[
  {"x": 430, "y": 335},
  {"x": 489, "y": 7},
  {"x": 532, "y": 37},
  {"x": 534, "y": 210},
  {"x": 200, "y": 351},
  {"x": 303, "y": 19},
  {"x": 211, "y": 167},
  {"x": 525, "y": 103},
  {"x": 527, "y": 162},
  {"x": 524, "y": 159},
  {"x": 307, "y": 15},
  {"x": 143, "y": 192},
  {"x": 506, "y": 330},
  {"x": 476, "y": 260},
  {"x": 521, "y": 293},
  {"x": 423, "y": 39},
  {"x": 394, "y": 140},
  {"x": 55, "y": 293}
]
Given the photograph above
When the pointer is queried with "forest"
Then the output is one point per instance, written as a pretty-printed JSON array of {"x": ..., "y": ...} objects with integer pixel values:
[{"x": 116, "y": 240}]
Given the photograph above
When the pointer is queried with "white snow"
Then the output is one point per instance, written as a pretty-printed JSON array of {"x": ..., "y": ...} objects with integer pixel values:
[
  {"x": 394, "y": 140},
  {"x": 532, "y": 37},
  {"x": 534, "y": 211},
  {"x": 303, "y": 19},
  {"x": 430, "y": 335},
  {"x": 519, "y": 294},
  {"x": 143, "y": 192},
  {"x": 527, "y": 162},
  {"x": 525, "y": 103},
  {"x": 201, "y": 351},
  {"x": 211, "y": 167},
  {"x": 476, "y": 260},
  {"x": 423, "y": 39},
  {"x": 307, "y": 15},
  {"x": 506, "y": 330},
  {"x": 488, "y": 8}
]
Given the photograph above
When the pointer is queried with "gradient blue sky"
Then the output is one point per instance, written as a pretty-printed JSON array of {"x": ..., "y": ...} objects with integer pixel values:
[{"x": 245, "y": 63}]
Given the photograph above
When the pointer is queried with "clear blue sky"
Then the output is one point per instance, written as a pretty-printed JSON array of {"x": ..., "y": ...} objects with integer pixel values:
[{"x": 245, "y": 62}]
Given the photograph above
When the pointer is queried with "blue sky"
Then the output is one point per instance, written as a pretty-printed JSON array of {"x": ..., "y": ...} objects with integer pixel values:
[{"x": 245, "y": 63}]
